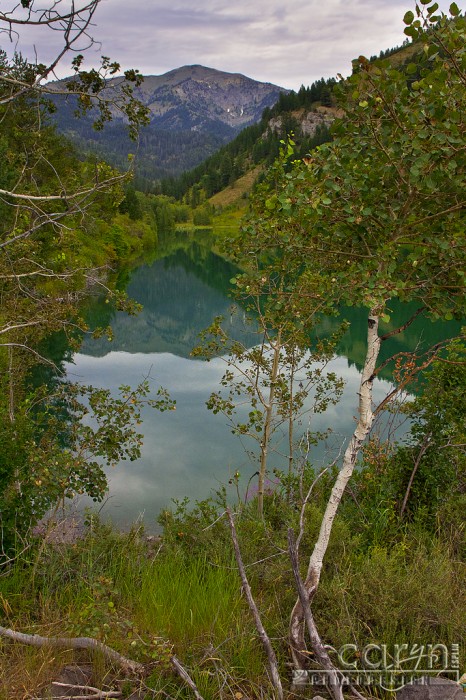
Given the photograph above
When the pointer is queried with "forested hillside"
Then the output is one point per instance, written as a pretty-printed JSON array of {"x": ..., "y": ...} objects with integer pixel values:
[
  {"x": 340, "y": 571},
  {"x": 306, "y": 114},
  {"x": 259, "y": 143},
  {"x": 192, "y": 111}
]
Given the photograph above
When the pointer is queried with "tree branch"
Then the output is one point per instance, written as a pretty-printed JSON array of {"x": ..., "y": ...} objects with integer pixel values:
[
  {"x": 406, "y": 325},
  {"x": 422, "y": 451},
  {"x": 127, "y": 665},
  {"x": 272, "y": 659},
  {"x": 182, "y": 672},
  {"x": 95, "y": 693}
]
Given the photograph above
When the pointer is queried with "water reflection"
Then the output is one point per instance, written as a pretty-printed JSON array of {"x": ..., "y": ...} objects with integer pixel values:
[
  {"x": 191, "y": 451},
  {"x": 180, "y": 296}
]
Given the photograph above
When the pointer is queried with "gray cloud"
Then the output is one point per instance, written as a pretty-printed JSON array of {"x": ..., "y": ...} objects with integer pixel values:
[{"x": 269, "y": 40}]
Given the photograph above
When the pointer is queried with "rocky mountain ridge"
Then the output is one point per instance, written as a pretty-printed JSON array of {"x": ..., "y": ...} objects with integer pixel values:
[
  {"x": 194, "y": 110},
  {"x": 208, "y": 95}
]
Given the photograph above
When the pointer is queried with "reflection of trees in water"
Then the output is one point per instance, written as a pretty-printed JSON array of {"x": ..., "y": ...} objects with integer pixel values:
[
  {"x": 180, "y": 296},
  {"x": 182, "y": 293},
  {"x": 420, "y": 335}
]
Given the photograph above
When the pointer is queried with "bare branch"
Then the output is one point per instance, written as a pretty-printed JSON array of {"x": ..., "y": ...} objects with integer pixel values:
[
  {"x": 77, "y": 202},
  {"x": 40, "y": 357},
  {"x": 127, "y": 665},
  {"x": 94, "y": 694},
  {"x": 403, "y": 327},
  {"x": 272, "y": 659},
  {"x": 184, "y": 675},
  {"x": 47, "y": 17},
  {"x": 73, "y": 25},
  {"x": 422, "y": 451}
]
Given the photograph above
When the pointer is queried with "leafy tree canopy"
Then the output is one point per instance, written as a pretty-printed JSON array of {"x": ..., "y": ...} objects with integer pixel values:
[{"x": 379, "y": 212}]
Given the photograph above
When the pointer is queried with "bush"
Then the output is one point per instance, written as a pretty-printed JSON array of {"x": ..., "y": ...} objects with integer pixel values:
[{"x": 201, "y": 217}]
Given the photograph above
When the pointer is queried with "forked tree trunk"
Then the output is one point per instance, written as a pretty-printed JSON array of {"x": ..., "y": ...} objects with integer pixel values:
[{"x": 364, "y": 424}]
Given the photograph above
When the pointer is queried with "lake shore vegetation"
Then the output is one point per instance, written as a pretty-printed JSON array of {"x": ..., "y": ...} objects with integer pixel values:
[{"x": 369, "y": 550}]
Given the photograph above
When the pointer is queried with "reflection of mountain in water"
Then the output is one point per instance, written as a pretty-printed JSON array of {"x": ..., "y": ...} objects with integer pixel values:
[
  {"x": 183, "y": 292},
  {"x": 180, "y": 298}
]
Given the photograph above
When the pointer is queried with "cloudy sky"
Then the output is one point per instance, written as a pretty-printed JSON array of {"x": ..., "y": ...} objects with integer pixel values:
[{"x": 286, "y": 43}]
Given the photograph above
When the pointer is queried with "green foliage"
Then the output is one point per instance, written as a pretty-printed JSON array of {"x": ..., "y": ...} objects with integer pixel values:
[
  {"x": 167, "y": 213},
  {"x": 423, "y": 479},
  {"x": 378, "y": 214},
  {"x": 130, "y": 205},
  {"x": 88, "y": 83},
  {"x": 392, "y": 595},
  {"x": 59, "y": 229},
  {"x": 202, "y": 217},
  {"x": 56, "y": 447}
]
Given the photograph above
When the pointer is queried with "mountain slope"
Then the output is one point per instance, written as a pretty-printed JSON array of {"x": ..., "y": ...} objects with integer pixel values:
[
  {"x": 194, "y": 110},
  {"x": 198, "y": 98},
  {"x": 306, "y": 114},
  {"x": 227, "y": 176}
]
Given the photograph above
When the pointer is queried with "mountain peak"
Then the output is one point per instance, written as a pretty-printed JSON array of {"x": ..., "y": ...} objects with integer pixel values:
[
  {"x": 193, "y": 111},
  {"x": 198, "y": 72},
  {"x": 205, "y": 95}
]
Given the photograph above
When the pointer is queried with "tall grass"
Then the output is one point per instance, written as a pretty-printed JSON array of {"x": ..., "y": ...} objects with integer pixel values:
[
  {"x": 145, "y": 605},
  {"x": 184, "y": 597}
]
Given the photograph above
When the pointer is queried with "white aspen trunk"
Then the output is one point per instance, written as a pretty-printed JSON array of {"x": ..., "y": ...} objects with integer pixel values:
[
  {"x": 320, "y": 651},
  {"x": 268, "y": 427},
  {"x": 364, "y": 424}
]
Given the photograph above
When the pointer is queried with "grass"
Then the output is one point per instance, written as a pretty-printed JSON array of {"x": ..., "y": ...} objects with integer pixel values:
[
  {"x": 236, "y": 193},
  {"x": 185, "y": 598},
  {"x": 109, "y": 586}
]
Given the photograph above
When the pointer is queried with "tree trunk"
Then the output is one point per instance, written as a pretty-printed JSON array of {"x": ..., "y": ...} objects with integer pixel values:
[
  {"x": 333, "y": 676},
  {"x": 267, "y": 432},
  {"x": 364, "y": 424}
]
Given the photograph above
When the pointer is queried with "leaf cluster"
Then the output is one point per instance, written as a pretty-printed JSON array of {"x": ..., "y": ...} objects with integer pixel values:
[{"x": 379, "y": 212}]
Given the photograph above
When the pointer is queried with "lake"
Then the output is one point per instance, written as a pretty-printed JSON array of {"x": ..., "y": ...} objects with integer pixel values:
[{"x": 190, "y": 451}]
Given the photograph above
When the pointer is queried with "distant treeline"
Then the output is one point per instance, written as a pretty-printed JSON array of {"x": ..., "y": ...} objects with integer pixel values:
[{"x": 390, "y": 52}]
